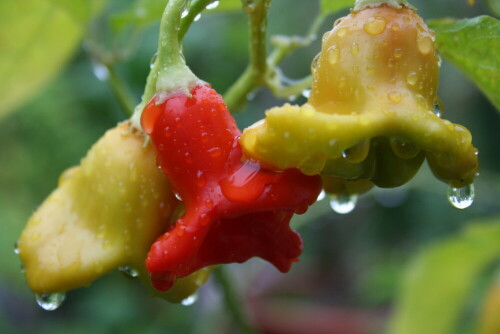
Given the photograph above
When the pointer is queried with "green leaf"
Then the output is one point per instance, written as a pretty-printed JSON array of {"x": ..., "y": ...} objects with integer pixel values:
[
  {"x": 37, "y": 38},
  {"x": 437, "y": 284},
  {"x": 332, "y": 6},
  {"x": 473, "y": 46},
  {"x": 148, "y": 11}
]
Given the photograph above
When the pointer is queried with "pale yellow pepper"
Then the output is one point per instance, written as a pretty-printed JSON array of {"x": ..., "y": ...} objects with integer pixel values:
[
  {"x": 370, "y": 115},
  {"x": 104, "y": 214}
]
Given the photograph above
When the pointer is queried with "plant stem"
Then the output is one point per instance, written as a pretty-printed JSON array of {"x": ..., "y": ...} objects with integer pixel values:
[
  {"x": 122, "y": 92},
  {"x": 254, "y": 75},
  {"x": 264, "y": 72},
  {"x": 231, "y": 300},
  {"x": 169, "y": 72}
]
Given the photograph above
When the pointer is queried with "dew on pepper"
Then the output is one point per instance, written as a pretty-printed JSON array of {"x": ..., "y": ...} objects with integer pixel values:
[
  {"x": 129, "y": 271},
  {"x": 461, "y": 198},
  {"x": 50, "y": 301},
  {"x": 403, "y": 149},
  {"x": 343, "y": 203},
  {"x": 437, "y": 109},
  {"x": 357, "y": 153},
  {"x": 190, "y": 300},
  {"x": 375, "y": 25}
]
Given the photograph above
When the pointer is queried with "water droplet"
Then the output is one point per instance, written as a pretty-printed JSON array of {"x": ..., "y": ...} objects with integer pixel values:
[
  {"x": 394, "y": 96},
  {"x": 375, "y": 25},
  {"x": 50, "y": 301},
  {"x": 178, "y": 197},
  {"x": 100, "y": 71},
  {"x": 461, "y": 198},
  {"x": 398, "y": 52},
  {"x": 403, "y": 149},
  {"x": 358, "y": 152},
  {"x": 342, "y": 31},
  {"x": 343, "y": 203},
  {"x": 440, "y": 61},
  {"x": 184, "y": 13},
  {"x": 424, "y": 44},
  {"x": 129, "y": 271},
  {"x": 395, "y": 27},
  {"x": 437, "y": 109},
  {"x": 212, "y": 5},
  {"x": 333, "y": 54},
  {"x": 321, "y": 195},
  {"x": 197, "y": 17},
  {"x": 153, "y": 59},
  {"x": 201, "y": 179},
  {"x": 190, "y": 300},
  {"x": 354, "y": 48},
  {"x": 315, "y": 62},
  {"x": 16, "y": 248},
  {"x": 306, "y": 93},
  {"x": 411, "y": 78}
]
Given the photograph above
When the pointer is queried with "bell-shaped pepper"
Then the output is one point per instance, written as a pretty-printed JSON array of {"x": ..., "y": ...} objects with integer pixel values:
[
  {"x": 104, "y": 214},
  {"x": 235, "y": 209},
  {"x": 370, "y": 115}
]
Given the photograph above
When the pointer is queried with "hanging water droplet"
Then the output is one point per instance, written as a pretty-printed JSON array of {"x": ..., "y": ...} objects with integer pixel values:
[
  {"x": 344, "y": 203},
  {"x": 358, "y": 152},
  {"x": 404, "y": 149},
  {"x": 212, "y": 5},
  {"x": 306, "y": 93},
  {"x": 50, "y": 301},
  {"x": 437, "y": 109},
  {"x": 16, "y": 248},
  {"x": 100, "y": 71},
  {"x": 197, "y": 17},
  {"x": 190, "y": 300},
  {"x": 184, "y": 13},
  {"x": 129, "y": 271},
  {"x": 461, "y": 198},
  {"x": 321, "y": 196},
  {"x": 153, "y": 60}
]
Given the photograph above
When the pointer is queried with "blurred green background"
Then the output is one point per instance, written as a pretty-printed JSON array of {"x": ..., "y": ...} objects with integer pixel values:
[{"x": 351, "y": 270}]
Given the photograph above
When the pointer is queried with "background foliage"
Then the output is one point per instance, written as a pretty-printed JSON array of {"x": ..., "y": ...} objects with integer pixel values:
[{"x": 352, "y": 275}]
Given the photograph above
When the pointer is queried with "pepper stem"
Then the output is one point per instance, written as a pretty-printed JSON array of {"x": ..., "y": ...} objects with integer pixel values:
[
  {"x": 398, "y": 4},
  {"x": 169, "y": 73}
]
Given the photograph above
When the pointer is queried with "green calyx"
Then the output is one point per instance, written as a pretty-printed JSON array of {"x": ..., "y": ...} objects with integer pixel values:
[
  {"x": 398, "y": 4},
  {"x": 169, "y": 72}
]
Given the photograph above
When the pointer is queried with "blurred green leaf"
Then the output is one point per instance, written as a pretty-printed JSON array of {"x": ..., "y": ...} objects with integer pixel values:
[
  {"x": 473, "y": 46},
  {"x": 37, "y": 38},
  {"x": 147, "y": 11},
  {"x": 332, "y": 6},
  {"x": 494, "y": 6},
  {"x": 437, "y": 284}
]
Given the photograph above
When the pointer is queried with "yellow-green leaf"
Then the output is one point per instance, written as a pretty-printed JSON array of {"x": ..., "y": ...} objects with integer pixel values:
[
  {"x": 438, "y": 282},
  {"x": 332, "y": 6},
  {"x": 473, "y": 46},
  {"x": 36, "y": 39}
]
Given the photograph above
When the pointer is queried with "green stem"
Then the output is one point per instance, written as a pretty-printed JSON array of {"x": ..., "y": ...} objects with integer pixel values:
[
  {"x": 169, "y": 72},
  {"x": 122, "y": 92},
  {"x": 232, "y": 302},
  {"x": 254, "y": 75}
]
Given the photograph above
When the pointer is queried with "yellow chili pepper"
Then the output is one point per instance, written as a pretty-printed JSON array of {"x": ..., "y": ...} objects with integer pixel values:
[
  {"x": 104, "y": 214},
  {"x": 371, "y": 114}
]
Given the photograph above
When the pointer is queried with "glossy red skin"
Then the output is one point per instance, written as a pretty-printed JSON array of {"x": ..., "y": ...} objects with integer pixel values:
[{"x": 235, "y": 210}]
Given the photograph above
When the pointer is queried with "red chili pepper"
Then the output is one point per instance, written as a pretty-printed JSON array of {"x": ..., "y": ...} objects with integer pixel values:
[{"x": 235, "y": 210}]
